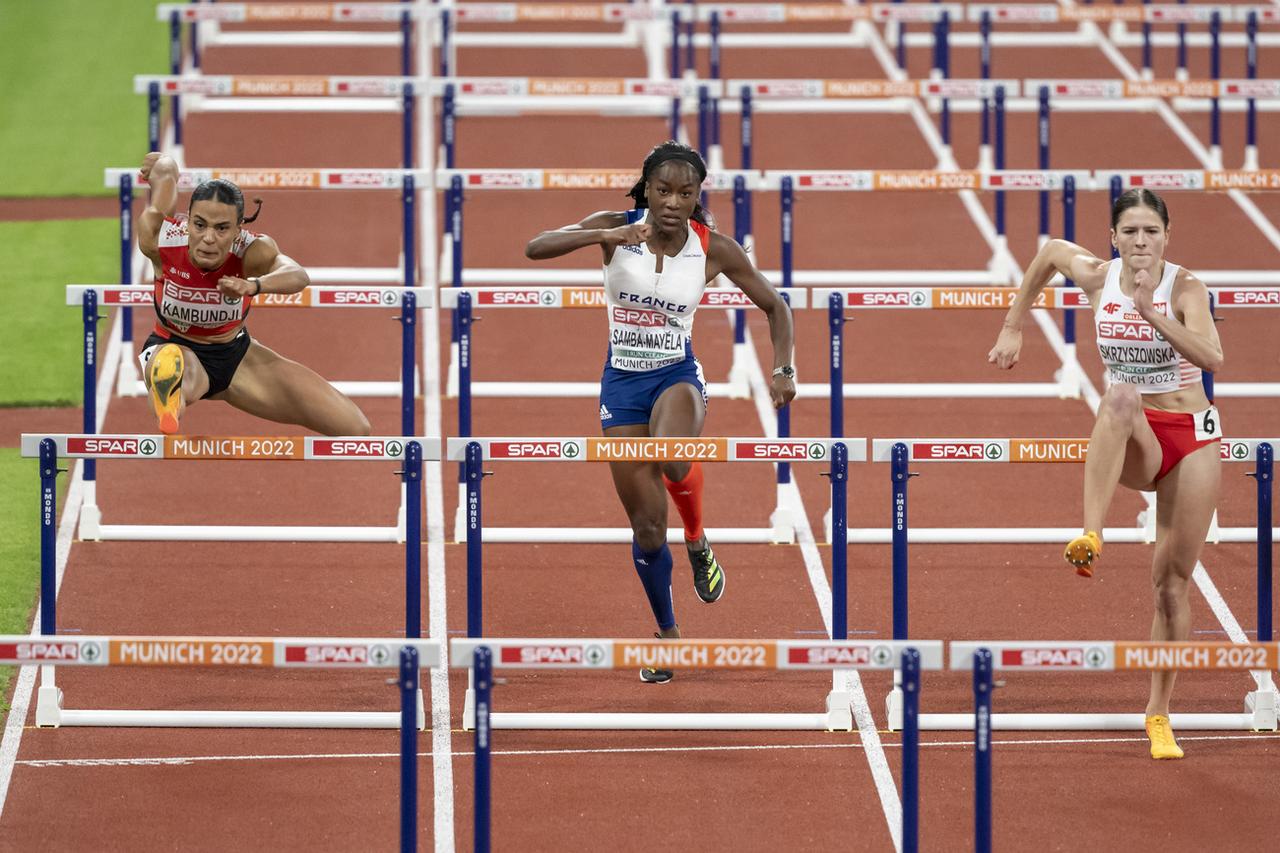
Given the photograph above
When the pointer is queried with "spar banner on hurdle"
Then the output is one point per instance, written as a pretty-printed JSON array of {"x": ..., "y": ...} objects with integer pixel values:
[
  {"x": 281, "y": 652},
  {"x": 254, "y": 448},
  {"x": 578, "y": 179},
  {"x": 291, "y": 12},
  {"x": 656, "y": 449},
  {"x": 312, "y": 296},
  {"x": 1026, "y": 449},
  {"x": 868, "y": 180},
  {"x": 852, "y": 89},
  {"x": 922, "y": 298},
  {"x": 279, "y": 86},
  {"x": 694, "y": 654},
  {"x": 1120, "y": 89},
  {"x": 1091, "y": 656},
  {"x": 284, "y": 179},
  {"x": 1192, "y": 179},
  {"x": 594, "y": 297}
]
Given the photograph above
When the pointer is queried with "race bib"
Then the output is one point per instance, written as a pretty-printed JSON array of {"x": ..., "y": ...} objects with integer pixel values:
[{"x": 1208, "y": 424}]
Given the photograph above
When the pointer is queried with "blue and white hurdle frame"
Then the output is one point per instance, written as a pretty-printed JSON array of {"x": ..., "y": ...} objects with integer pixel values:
[
  {"x": 484, "y": 656},
  {"x": 409, "y": 656},
  {"x": 984, "y": 658},
  {"x": 404, "y": 275},
  {"x": 474, "y": 453},
  {"x": 410, "y": 453},
  {"x": 408, "y": 300},
  {"x": 1260, "y": 704}
]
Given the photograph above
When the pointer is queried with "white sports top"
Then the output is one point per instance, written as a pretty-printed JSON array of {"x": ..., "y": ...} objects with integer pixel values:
[
  {"x": 651, "y": 313},
  {"x": 1133, "y": 351}
]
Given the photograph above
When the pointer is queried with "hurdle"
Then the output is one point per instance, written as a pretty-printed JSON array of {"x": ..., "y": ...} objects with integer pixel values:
[
  {"x": 49, "y": 448},
  {"x": 739, "y": 182},
  {"x": 405, "y": 273},
  {"x": 49, "y": 651},
  {"x": 1260, "y": 704},
  {"x": 483, "y": 656}
]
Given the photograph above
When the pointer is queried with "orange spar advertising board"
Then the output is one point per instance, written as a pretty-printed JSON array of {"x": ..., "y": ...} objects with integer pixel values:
[
  {"x": 288, "y": 11},
  {"x": 589, "y": 179},
  {"x": 168, "y": 651},
  {"x": 576, "y": 86},
  {"x": 279, "y": 86},
  {"x": 270, "y": 178},
  {"x": 233, "y": 447},
  {"x": 657, "y": 449},
  {"x": 1240, "y": 179},
  {"x": 926, "y": 180},
  {"x": 700, "y": 654},
  {"x": 980, "y": 297},
  {"x": 1196, "y": 655},
  {"x": 1048, "y": 449},
  {"x": 582, "y": 297}
]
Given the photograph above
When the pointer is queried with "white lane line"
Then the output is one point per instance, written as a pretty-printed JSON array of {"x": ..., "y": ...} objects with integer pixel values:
[
  {"x": 620, "y": 750},
  {"x": 14, "y": 724},
  {"x": 879, "y": 765}
]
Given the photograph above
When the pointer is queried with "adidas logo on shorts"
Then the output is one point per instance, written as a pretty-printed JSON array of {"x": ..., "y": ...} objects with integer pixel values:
[{"x": 604, "y": 413}]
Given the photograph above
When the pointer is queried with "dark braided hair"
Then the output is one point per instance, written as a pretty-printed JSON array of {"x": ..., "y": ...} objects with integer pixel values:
[
  {"x": 666, "y": 152},
  {"x": 1138, "y": 197},
  {"x": 224, "y": 192}
]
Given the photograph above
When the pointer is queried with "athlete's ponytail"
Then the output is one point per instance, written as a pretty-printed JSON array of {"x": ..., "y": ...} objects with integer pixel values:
[
  {"x": 225, "y": 192},
  {"x": 671, "y": 150}
]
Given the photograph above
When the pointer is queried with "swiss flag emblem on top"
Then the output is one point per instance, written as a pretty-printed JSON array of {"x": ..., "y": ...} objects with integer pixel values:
[{"x": 1111, "y": 308}]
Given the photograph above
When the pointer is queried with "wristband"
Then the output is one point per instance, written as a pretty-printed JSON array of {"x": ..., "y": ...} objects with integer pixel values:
[{"x": 257, "y": 283}]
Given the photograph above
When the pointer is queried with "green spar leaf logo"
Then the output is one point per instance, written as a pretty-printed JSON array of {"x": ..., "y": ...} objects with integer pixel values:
[
  {"x": 547, "y": 297},
  {"x": 389, "y": 297},
  {"x": 148, "y": 447},
  {"x": 569, "y": 450},
  {"x": 817, "y": 451},
  {"x": 594, "y": 655},
  {"x": 994, "y": 451},
  {"x": 1094, "y": 657},
  {"x": 90, "y": 652},
  {"x": 394, "y": 448},
  {"x": 881, "y": 655},
  {"x": 1240, "y": 450},
  {"x": 917, "y": 298},
  {"x": 379, "y": 655}
]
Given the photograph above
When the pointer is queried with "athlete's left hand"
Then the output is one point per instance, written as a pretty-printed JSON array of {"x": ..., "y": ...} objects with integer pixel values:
[
  {"x": 230, "y": 285},
  {"x": 782, "y": 391},
  {"x": 1144, "y": 292}
]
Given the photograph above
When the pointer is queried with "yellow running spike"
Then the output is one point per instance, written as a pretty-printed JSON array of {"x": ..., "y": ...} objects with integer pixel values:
[
  {"x": 165, "y": 373},
  {"x": 1161, "y": 735},
  {"x": 1082, "y": 551}
]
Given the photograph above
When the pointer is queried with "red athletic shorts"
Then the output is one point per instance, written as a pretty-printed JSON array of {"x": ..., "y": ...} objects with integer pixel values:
[{"x": 1182, "y": 433}]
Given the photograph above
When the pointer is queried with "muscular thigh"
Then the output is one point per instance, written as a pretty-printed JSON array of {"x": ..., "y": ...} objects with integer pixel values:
[
  {"x": 1142, "y": 457},
  {"x": 1186, "y": 498},
  {"x": 639, "y": 484}
]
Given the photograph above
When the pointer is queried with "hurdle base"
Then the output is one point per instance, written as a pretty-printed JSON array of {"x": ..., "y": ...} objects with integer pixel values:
[
  {"x": 1085, "y": 722},
  {"x": 739, "y": 385},
  {"x": 893, "y": 708},
  {"x": 839, "y": 711},
  {"x": 250, "y": 533},
  {"x": 782, "y": 521},
  {"x": 580, "y": 721},
  {"x": 451, "y": 382},
  {"x": 48, "y": 706},
  {"x": 128, "y": 383},
  {"x": 1070, "y": 377},
  {"x": 460, "y": 516},
  {"x": 90, "y": 525},
  {"x": 1261, "y": 706}
]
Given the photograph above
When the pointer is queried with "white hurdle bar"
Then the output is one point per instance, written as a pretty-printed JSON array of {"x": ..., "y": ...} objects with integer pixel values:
[
  {"x": 601, "y": 654},
  {"x": 313, "y": 296},
  {"x": 1076, "y": 656},
  {"x": 329, "y": 653},
  {"x": 93, "y": 446},
  {"x": 781, "y": 451}
]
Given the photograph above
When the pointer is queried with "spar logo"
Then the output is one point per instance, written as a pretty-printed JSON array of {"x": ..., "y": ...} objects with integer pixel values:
[
  {"x": 725, "y": 297},
  {"x": 544, "y": 655},
  {"x": 991, "y": 451},
  {"x": 329, "y": 654},
  {"x": 639, "y": 317},
  {"x": 533, "y": 450},
  {"x": 112, "y": 446},
  {"x": 1235, "y": 450},
  {"x": 368, "y": 296},
  {"x": 49, "y": 652},
  {"x": 133, "y": 296},
  {"x": 516, "y": 297},
  {"x": 357, "y": 448},
  {"x": 779, "y": 450},
  {"x": 918, "y": 298},
  {"x": 1054, "y": 658}
]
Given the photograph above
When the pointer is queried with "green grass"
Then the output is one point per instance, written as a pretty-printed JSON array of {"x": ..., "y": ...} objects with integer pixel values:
[
  {"x": 19, "y": 550},
  {"x": 68, "y": 109},
  {"x": 40, "y": 354}
]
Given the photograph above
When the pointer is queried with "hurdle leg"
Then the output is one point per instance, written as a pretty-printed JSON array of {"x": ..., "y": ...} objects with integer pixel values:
[
  {"x": 1070, "y": 375},
  {"x": 839, "y": 704},
  {"x": 782, "y": 519}
]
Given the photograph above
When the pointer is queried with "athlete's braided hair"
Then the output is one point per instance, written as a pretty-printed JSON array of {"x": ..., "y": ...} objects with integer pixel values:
[
  {"x": 225, "y": 192},
  {"x": 671, "y": 150}
]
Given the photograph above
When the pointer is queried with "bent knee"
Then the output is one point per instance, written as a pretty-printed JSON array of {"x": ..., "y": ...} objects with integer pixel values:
[
  {"x": 1170, "y": 595},
  {"x": 1121, "y": 403},
  {"x": 650, "y": 533}
]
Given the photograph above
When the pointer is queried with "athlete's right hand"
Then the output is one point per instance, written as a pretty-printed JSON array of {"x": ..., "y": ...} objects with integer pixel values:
[
  {"x": 148, "y": 163},
  {"x": 1004, "y": 354},
  {"x": 628, "y": 235}
]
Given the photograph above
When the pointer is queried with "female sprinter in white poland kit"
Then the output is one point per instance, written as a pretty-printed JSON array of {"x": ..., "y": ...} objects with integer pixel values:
[
  {"x": 207, "y": 271},
  {"x": 654, "y": 273},
  {"x": 1156, "y": 429}
]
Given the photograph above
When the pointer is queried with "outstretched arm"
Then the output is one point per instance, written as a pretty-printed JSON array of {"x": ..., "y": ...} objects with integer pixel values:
[
  {"x": 1057, "y": 256},
  {"x": 1195, "y": 338},
  {"x": 729, "y": 258},
  {"x": 160, "y": 171},
  {"x": 606, "y": 229}
]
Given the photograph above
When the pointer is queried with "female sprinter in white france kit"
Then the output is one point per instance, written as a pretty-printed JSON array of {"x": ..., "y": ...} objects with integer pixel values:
[{"x": 655, "y": 270}]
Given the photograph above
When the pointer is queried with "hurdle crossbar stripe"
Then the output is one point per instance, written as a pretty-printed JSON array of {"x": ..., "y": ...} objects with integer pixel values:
[
  {"x": 328, "y": 86},
  {"x": 1095, "y": 656},
  {"x": 251, "y": 652},
  {"x": 822, "y": 89},
  {"x": 284, "y": 179},
  {"x": 313, "y": 296},
  {"x": 592, "y": 297},
  {"x": 1027, "y": 449},
  {"x": 656, "y": 449},
  {"x": 945, "y": 297},
  {"x": 693, "y": 654},
  {"x": 578, "y": 179},
  {"x": 292, "y": 12},
  {"x": 1110, "y": 89},
  {"x": 262, "y": 448}
]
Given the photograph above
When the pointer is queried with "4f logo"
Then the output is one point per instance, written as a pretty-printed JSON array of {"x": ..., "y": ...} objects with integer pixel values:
[{"x": 1111, "y": 308}]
